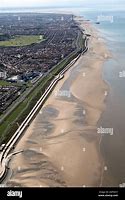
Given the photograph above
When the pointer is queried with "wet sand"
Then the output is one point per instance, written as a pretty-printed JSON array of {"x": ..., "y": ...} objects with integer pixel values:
[{"x": 61, "y": 146}]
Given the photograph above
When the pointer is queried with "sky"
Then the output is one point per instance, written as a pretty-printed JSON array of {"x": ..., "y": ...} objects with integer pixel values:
[{"x": 35, "y": 3}]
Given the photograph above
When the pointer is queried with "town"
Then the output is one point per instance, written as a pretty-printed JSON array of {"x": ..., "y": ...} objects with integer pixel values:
[
  {"x": 30, "y": 45},
  {"x": 59, "y": 40}
]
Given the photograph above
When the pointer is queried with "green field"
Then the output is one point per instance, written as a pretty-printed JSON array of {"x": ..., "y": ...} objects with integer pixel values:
[
  {"x": 22, "y": 40},
  {"x": 4, "y": 83}
]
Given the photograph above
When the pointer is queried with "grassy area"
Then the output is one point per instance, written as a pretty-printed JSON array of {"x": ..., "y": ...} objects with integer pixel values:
[
  {"x": 22, "y": 40},
  {"x": 80, "y": 41},
  {"x": 9, "y": 125},
  {"x": 4, "y": 83}
]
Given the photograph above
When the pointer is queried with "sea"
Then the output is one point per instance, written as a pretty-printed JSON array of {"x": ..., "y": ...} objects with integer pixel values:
[
  {"x": 111, "y": 25},
  {"x": 112, "y": 28}
]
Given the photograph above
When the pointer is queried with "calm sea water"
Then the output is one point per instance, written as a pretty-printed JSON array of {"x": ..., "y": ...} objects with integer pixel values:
[{"x": 112, "y": 146}]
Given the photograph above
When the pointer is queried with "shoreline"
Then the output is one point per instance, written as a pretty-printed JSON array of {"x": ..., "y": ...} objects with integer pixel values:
[
  {"x": 69, "y": 153},
  {"x": 107, "y": 87}
]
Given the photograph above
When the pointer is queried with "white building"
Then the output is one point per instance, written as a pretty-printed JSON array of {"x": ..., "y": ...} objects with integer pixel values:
[
  {"x": 3, "y": 75},
  {"x": 62, "y": 18}
]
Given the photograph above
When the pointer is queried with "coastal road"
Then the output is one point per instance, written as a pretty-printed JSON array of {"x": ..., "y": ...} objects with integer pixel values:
[
  {"x": 10, "y": 145},
  {"x": 5, "y": 153}
]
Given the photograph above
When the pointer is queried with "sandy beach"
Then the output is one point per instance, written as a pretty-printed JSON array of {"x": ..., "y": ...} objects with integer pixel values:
[{"x": 62, "y": 146}]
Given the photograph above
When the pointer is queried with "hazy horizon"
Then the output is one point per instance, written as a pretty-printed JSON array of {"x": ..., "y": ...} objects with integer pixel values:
[{"x": 57, "y": 3}]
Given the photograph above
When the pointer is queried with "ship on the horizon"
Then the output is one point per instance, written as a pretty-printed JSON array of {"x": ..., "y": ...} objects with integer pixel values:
[{"x": 97, "y": 22}]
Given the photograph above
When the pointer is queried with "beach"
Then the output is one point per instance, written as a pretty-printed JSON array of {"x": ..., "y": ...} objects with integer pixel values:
[{"x": 61, "y": 147}]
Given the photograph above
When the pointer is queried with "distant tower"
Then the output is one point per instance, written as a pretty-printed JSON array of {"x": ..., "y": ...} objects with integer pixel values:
[
  {"x": 62, "y": 18},
  {"x": 18, "y": 18}
]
